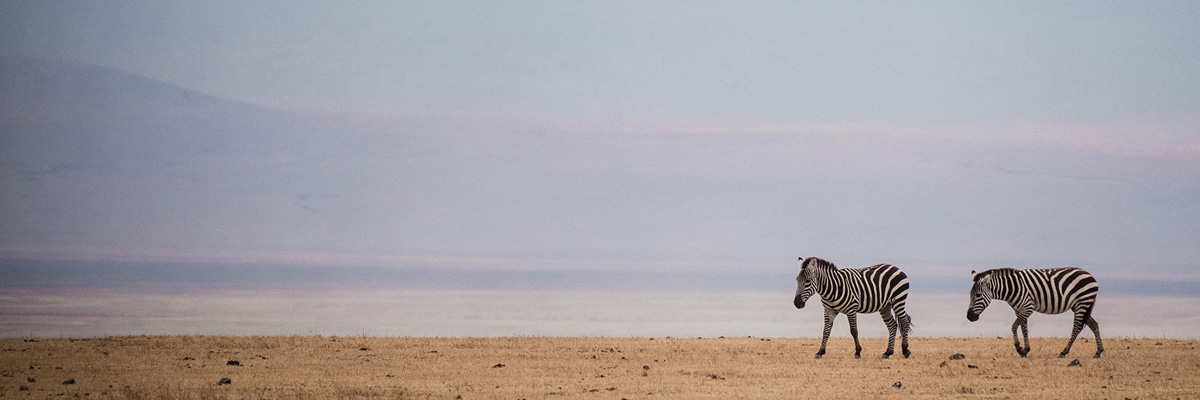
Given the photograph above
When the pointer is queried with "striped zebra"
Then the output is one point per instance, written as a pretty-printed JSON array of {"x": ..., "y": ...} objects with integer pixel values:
[
  {"x": 882, "y": 288},
  {"x": 1048, "y": 291}
]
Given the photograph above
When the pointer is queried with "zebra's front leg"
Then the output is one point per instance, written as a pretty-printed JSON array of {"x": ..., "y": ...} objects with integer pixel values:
[
  {"x": 1020, "y": 323},
  {"x": 1075, "y": 328},
  {"x": 1095, "y": 327},
  {"x": 830, "y": 314},
  {"x": 854, "y": 333}
]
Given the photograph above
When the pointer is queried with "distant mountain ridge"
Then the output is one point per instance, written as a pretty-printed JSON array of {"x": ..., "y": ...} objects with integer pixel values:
[{"x": 61, "y": 111}]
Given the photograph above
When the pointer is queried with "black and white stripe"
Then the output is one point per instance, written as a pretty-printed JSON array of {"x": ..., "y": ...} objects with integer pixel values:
[
  {"x": 1048, "y": 291},
  {"x": 881, "y": 288}
]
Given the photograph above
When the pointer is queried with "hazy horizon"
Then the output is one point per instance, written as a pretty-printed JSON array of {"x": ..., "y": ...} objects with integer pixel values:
[{"x": 560, "y": 143}]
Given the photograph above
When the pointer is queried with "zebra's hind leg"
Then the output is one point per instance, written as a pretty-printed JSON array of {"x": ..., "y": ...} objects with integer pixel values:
[
  {"x": 1075, "y": 328},
  {"x": 891, "y": 325},
  {"x": 905, "y": 327},
  {"x": 854, "y": 332},
  {"x": 1095, "y": 327},
  {"x": 830, "y": 314}
]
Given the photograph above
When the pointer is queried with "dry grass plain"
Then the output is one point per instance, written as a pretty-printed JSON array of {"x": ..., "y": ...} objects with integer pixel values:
[{"x": 318, "y": 367}]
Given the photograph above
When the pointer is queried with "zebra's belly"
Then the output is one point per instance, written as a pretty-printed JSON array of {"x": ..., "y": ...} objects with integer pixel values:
[
  {"x": 1052, "y": 309},
  {"x": 856, "y": 308}
]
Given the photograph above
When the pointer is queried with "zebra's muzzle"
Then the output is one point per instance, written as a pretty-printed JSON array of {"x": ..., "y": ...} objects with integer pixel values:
[
  {"x": 799, "y": 302},
  {"x": 972, "y": 316}
]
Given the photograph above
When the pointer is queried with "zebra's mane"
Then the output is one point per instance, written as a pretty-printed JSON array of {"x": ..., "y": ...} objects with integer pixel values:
[
  {"x": 817, "y": 262},
  {"x": 997, "y": 271}
]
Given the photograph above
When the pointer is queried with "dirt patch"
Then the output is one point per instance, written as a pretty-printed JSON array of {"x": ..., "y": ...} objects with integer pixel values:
[{"x": 185, "y": 367}]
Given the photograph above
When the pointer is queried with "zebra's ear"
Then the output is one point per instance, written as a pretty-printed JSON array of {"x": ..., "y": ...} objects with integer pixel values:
[{"x": 972, "y": 272}]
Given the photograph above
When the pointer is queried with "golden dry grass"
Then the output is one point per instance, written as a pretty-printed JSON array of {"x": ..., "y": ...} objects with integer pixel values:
[{"x": 189, "y": 367}]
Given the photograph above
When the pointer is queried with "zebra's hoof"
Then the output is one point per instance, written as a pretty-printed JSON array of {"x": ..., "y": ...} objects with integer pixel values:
[
  {"x": 1096, "y": 356},
  {"x": 1061, "y": 355},
  {"x": 818, "y": 356},
  {"x": 907, "y": 353},
  {"x": 885, "y": 356}
]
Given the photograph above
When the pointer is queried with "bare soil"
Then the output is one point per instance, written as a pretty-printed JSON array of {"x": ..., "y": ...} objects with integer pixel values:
[{"x": 269, "y": 367}]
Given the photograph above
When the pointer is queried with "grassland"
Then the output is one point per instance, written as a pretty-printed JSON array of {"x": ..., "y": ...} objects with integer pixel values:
[{"x": 303, "y": 367}]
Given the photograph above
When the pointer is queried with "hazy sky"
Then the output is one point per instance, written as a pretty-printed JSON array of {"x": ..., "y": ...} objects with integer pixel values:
[{"x": 940, "y": 136}]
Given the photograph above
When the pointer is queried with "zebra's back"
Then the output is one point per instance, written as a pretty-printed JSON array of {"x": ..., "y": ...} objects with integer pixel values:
[
  {"x": 879, "y": 287},
  {"x": 1057, "y": 290}
]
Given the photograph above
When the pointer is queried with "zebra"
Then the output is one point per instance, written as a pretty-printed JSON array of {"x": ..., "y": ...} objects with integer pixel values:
[
  {"x": 1048, "y": 291},
  {"x": 881, "y": 288}
]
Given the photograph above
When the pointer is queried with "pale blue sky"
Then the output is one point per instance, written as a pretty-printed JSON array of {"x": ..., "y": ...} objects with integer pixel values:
[{"x": 611, "y": 135}]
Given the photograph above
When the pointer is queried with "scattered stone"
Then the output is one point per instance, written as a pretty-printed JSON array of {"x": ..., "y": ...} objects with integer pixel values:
[
  {"x": 69, "y": 381},
  {"x": 943, "y": 364},
  {"x": 1158, "y": 343},
  {"x": 30, "y": 379},
  {"x": 364, "y": 349},
  {"x": 896, "y": 385},
  {"x": 646, "y": 367},
  {"x": 224, "y": 381},
  {"x": 1074, "y": 363},
  {"x": 24, "y": 388},
  {"x": 188, "y": 358},
  {"x": 958, "y": 356},
  {"x": 498, "y": 366},
  {"x": 234, "y": 363},
  {"x": 972, "y": 366}
]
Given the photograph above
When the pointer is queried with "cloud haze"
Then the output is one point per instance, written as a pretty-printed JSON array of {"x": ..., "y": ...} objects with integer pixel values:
[{"x": 614, "y": 136}]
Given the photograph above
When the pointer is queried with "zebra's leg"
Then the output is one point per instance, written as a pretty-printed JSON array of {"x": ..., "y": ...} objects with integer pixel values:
[
  {"x": 905, "y": 325},
  {"x": 830, "y": 314},
  {"x": 1025, "y": 331},
  {"x": 854, "y": 332},
  {"x": 1075, "y": 328},
  {"x": 891, "y": 325},
  {"x": 1022, "y": 323},
  {"x": 1095, "y": 327}
]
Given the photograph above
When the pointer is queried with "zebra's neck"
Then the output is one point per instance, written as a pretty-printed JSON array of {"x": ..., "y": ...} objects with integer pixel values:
[
  {"x": 1006, "y": 285},
  {"x": 823, "y": 276}
]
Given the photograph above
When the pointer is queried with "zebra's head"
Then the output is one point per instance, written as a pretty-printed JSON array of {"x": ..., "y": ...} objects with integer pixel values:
[
  {"x": 981, "y": 294},
  {"x": 804, "y": 286}
]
